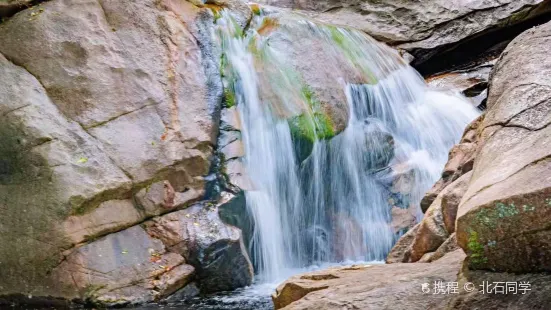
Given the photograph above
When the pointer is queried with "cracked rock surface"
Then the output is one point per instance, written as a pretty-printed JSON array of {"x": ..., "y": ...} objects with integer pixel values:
[
  {"x": 503, "y": 219},
  {"x": 109, "y": 114}
]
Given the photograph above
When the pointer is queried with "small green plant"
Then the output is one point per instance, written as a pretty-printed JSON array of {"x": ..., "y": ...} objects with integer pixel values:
[
  {"x": 477, "y": 250},
  {"x": 229, "y": 98}
]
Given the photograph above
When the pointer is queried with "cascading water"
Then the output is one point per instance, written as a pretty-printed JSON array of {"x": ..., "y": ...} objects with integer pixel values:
[{"x": 329, "y": 199}]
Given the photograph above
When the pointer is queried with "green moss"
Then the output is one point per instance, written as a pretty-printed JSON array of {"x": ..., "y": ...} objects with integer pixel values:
[
  {"x": 257, "y": 10},
  {"x": 476, "y": 250},
  {"x": 229, "y": 98},
  {"x": 216, "y": 14},
  {"x": 223, "y": 64},
  {"x": 337, "y": 36},
  {"x": 491, "y": 217},
  {"x": 237, "y": 31},
  {"x": 345, "y": 40},
  {"x": 516, "y": 17},
  {"x": 313, "y": 127},
  {"x": 90, "y": 291},
  {"x": 310, "y": 126}
]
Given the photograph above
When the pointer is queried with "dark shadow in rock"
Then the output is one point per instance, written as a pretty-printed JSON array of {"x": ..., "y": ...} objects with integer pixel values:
[{"x": 477, "y": 49}]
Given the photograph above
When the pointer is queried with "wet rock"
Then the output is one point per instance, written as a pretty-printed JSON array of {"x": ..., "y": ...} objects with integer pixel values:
[
  {"x": 503, "y": 219},
  {"x": 230, "y": 119},
  {"x": 347, "y": 240},
  {"x": 189, "y": 291},
  {"x": 380, "y": 147},
  {"x": 234, "y": 212},
  {"x": 429, "y": 240},
  {"x": 428, "y": 29},
  {"x": 237, "y": 174},
  {"x": 403, "y": 182},
  {"x": 174, "y": 280},
  {"x": 460, "y": 161},
  {"x": 234, "y": 150},
  {"x": 215, "y": 249},
  {"x": 394, "y": 286},
  {"x": 403, "y": 218},
  {"x": 239, "y": 9},
  {"x": 471, "y": 82}
]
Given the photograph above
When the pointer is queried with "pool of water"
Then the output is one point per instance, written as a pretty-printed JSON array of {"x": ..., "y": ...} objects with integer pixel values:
[{"x": 254, "y": 297}]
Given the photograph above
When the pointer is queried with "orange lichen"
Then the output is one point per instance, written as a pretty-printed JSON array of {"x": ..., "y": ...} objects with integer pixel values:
[{"x": 268, "y": 25}]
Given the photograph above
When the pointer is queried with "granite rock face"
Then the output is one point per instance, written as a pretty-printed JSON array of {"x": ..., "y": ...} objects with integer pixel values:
[
  {"x": 503, "y": 219},
  {"x": 109, "y": 115},
  {"x": 127, "y": 266}
]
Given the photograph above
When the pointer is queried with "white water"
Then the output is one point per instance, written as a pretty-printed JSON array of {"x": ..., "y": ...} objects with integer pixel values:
[{"x": 334, "y": 206}]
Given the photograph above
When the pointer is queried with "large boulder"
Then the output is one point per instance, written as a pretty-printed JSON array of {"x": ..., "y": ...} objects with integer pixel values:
[
  {"x": 503, "y": 219},
  {"x": 50, "y": 169},
  {"x": 109, "y": 113},
  {"x": 215, "y": 249},
  {"x": 431, "y": 233},
  {"x": 288, "y": 49},
  {"x": 286, "y": 52}
]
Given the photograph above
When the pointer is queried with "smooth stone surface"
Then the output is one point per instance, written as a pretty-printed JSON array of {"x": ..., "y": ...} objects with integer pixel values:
[{"x": 394, "y": 286}]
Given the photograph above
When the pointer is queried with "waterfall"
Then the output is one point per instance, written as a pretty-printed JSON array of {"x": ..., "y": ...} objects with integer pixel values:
[{"x": 330, "y": 200}]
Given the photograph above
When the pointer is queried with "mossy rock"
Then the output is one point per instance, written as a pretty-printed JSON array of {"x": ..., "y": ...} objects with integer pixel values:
[
  {"x": 306, "y": 129},
  {"x": 229, "y": 98},
  {"x": 255, "y": 7}
]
